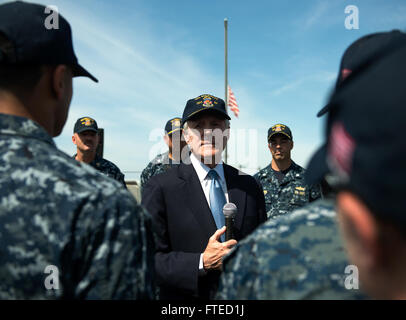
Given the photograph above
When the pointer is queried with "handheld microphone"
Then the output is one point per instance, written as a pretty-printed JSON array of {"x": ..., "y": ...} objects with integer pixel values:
[{"x": 229, "y": 211}]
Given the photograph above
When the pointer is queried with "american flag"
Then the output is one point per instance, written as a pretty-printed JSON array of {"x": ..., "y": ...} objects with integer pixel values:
[{"x": 232, "y": 103}]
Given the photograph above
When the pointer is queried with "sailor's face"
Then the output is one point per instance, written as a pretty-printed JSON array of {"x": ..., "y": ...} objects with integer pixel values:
[
  {"x": 280, "y": 147},
  {"x": 86, "y": 140}
]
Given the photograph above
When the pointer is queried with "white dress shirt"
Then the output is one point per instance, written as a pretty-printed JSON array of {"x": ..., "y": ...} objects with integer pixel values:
[{"x": 202, "y": 172}]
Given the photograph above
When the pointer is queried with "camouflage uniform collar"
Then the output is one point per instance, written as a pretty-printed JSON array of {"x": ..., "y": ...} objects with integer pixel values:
[
  {"x": 96, "y": 159},
  {"x": 24, "y": 127},
  {"x": 161, "y": 158},
  {"x": 294, "y": 171},
  {"x": 295, "y": 167},
  {"x": 269, "y": 175},
  {"x": 165, "y": 158}
]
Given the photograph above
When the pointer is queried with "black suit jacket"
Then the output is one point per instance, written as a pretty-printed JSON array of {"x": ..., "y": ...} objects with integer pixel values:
[{"x": 184, "y": 223}]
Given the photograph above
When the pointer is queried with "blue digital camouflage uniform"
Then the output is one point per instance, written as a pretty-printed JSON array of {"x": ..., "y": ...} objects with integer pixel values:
[
  {"x": 296, "y": 256},
  {"x": 161, "y": 163},
  {"x": 58, "y": 211},
  {"x": 292, "y": 193},
  {"x": 108, "y": 168}
]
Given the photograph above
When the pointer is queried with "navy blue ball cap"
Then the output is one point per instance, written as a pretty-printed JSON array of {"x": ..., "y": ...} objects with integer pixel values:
[
  {"x": 363, "y": 52},
  {"x": 203, "y": 104},
  {"x": 366, "y": 148},
  {"x": 85, "y": 124},
  {"x": 30, "y": 42},
  {"x": 279, "y": 129},
  {"x": 173, "y": 125}
]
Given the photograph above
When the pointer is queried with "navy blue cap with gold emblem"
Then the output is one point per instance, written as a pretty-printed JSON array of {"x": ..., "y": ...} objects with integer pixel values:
[
  {"x": 203, "y": 104},
  {"x": 279, "y": 129},
  {"x": 173, "y": 125},
  {"x": 29, "y": 42},
  {"x": 85, "y": 124}
]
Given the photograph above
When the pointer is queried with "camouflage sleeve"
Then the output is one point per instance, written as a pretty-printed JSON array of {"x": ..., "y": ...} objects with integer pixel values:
[
  {"x": 120, "y": 178},
  {"x": 297, "y": 256},
  {"x": 239, "y": 273},
  {"x": 146, "y": 175},
  {"x": 111, "y": 252}
]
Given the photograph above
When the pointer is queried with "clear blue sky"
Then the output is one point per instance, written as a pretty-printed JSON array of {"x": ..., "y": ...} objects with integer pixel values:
[{"x": 151, "y": 56}]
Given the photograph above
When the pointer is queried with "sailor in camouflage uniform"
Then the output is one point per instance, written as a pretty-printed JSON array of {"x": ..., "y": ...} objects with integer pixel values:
[
  {"x": 296, "y": 256},
  {"x": 300, "y": 255},
  {"x": 364, "y": 157},
  {"x": 163, "y": 162},
  {"x": 86, "y": 138},
  {"x": 283, "y": 180},
  {"x": 56, "y": 212}
]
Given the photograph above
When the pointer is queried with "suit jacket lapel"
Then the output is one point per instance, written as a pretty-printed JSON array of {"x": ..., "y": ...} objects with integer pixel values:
[
  {"x": 195, "y": 199},
  {"x": 236, "y": 194}
]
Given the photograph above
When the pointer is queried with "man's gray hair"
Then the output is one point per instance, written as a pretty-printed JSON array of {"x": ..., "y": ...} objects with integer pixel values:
[{"x": 186, "y": 126}]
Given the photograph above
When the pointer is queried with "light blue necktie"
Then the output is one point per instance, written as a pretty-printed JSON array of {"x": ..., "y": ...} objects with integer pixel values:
[{"x": 217, "y": 200}]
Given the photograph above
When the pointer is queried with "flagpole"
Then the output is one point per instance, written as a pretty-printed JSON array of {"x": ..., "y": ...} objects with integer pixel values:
[{"x": 225, "y": 73}]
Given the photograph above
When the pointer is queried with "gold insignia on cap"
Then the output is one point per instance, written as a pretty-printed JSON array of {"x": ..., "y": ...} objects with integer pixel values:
[
  {"x": 87, "y": 121},
  {"x": 278, "y": 127},
  {"x": 207, "y": 102},
  {"x": 176, "y": 123}
]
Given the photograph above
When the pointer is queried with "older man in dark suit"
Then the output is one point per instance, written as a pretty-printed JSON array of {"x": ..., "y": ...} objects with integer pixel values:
[{"x": 186, "y": 204}]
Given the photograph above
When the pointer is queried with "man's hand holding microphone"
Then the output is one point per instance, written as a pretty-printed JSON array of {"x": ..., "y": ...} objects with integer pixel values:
[{"x": 216, "y": 250}]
